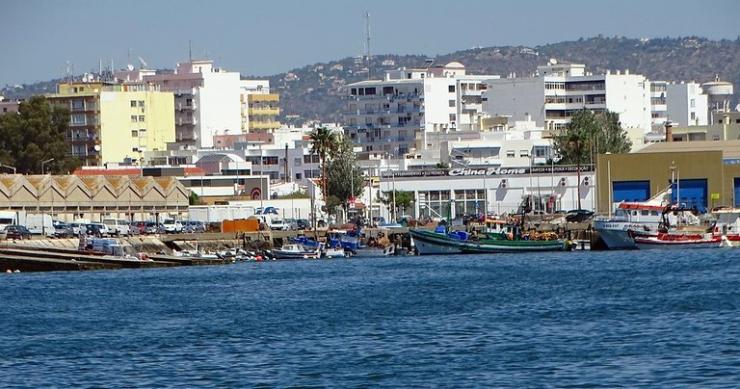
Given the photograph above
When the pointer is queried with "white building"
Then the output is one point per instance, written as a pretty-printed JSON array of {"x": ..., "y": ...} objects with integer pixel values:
[
  {"x": 658, "y": 104},
  {"x": 687, "y": 105},
  {"x": 557, "y": 91},
  {"x": 207, "y": 101},
  {"x": 386, "y": 115}
]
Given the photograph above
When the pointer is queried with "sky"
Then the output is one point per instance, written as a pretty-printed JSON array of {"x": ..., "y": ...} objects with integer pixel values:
[{"x": 40, "y": 38}]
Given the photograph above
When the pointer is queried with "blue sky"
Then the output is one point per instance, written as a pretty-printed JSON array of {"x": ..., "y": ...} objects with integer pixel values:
[{"x": 267, "y": 37}]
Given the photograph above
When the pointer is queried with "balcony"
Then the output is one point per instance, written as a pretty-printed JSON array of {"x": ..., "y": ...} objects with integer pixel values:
[
  {"x": 265, "y": 97},
  {"x": 263, "y": 111},
  {"x": 268, "y": 125},
  {"x": 185, "y": 107}
]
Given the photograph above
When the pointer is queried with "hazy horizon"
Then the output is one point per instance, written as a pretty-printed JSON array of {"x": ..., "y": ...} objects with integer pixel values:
[{"x": 265, "y": 39}]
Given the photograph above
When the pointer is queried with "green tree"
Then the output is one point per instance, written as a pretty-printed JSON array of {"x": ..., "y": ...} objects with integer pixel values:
[
  {"x": 323, "y": 141},
  {"x": 403, "y": 200},
  {"x": 590, "y": 134},
  {"x": 344, "y": 178},
  {"x": 37, "y": 133}
]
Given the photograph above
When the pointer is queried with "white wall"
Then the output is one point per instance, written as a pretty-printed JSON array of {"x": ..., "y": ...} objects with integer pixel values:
[
  {"x": 679, "y": 98},
  {"x": 219, "y": 106},
  {"x": 516, "y": 97},
  {"x": 629, "y": 96}
]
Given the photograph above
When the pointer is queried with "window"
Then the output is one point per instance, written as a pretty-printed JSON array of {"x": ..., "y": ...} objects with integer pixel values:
[
  {"x": 510, "y": 153},
  {"x": 451, "y": 88},
  {"x": 715, "y": 137},
  {"x": 78, "y": 105},
  {"x": 134, "y": 118},
  {"x": 141, "y": 118},
  {"x": 134, "y": 134},
  {"x": 453, "y": 117},
  {"x": 133, "y": 103},
  {"x": 693, "y": 103},
  {"x": 369, "y": 91},
  {"x": 77, "y": 119},
  {"x": 141, "y": 103},
  {"x": 693, "y": 116},
  {"x": 524, "y": 153},
  {"x": 353, "y": 91},
  {"x": 188, "y": 102},
  {"x": 452, "y": 103}
]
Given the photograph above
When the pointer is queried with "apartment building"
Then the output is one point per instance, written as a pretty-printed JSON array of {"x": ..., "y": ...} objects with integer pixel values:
[
  {"x": 556, "y": 91},
  {"x": 113, "y": 123},
  {"x": 386, "y": 115},
  {"x": 207, "y": 101},
  {"x": 259, "y": 107}
]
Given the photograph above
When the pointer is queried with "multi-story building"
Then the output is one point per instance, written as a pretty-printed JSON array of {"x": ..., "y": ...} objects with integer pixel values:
[
  {"x": 111, "y": 123},
  {"x": 386, "y": 115},
  {"x": 557, "y": 91},
  {"x": 658, "y": 104},
  {"x": 259, "y": 107},
  {"x": 8, "y": 106},
  {"x": 687, "y": 105},
  {"x": 207, "y": 101}
]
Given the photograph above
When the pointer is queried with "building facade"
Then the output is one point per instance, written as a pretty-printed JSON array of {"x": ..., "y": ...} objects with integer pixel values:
[
  {"x": 259, "y": 107},
  {"x": 686, "y": 104},
  {"x": 114, "y": 123},
  {"x": 207, "y": 101},
  {"x": 557, "y": 91},
  {"x": 387, "y": 115}
]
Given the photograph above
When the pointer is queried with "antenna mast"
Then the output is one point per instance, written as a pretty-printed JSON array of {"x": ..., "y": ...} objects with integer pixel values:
[
  {"x": 367, "y": 42},
  {"x": 190, "y": 50}
]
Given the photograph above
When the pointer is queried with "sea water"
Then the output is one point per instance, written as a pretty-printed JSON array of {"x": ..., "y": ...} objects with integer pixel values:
[{"x": 580, "y": 319}]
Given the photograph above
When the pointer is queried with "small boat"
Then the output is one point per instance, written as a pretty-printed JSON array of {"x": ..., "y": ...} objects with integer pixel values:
[
  {"x": 460, "y": 242},
  {"x": 296, "y": 251},
  {"x": 678, "y": 241},
  {"x": 631, "y": 219},
  {"x": 334, "y": 252}
]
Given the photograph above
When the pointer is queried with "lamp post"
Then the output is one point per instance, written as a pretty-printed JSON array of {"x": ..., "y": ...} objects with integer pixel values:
[
  {"x": 44, "y": 163},
  {"x": 9, "y": 167},
  {"x": 577, "y": 143}
]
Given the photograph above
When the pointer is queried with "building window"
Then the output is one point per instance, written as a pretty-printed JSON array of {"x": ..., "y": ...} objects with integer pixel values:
[
  {"x": 141, "y": 118},
  {"x": 452, "y": 103},
  {"x": 141, "y": 103},
  {"x": 451, "y": 88},
  {"x": 77, "y": 119},
  {"x": 693, "y": 116},
  {"x": 693, "y": 103},
  {"x": 453, "y": 117},
  {"x": 510, "y": 153},
  {"x": 133, "y": 103},
  {"x": 715, "y": 137},
  {"x": 353, "y": 91},
  {"x": 524, "y": 153},
  {"x": 134, "y": 134},
  {"x": 134, "y": 118}
]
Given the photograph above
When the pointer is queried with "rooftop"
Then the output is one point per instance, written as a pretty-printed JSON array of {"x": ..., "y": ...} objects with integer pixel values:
[{"x": 729, "y": 148}]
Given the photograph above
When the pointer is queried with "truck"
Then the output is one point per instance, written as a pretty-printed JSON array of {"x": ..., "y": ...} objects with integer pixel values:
[{"x": 39, "y": 224}]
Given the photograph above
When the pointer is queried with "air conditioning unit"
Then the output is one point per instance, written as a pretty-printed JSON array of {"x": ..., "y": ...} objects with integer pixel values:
[
  {"x": 563, "y": 182},
  {"x": 586, "y": 181},
  {"x": 503, "y": 184}
]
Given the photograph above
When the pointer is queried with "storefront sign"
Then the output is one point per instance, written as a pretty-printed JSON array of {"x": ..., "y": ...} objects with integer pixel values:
[{"x": 491, "y": 171}]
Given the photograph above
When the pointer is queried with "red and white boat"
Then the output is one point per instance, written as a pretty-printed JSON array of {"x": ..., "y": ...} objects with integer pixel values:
[
  {"x": 728, "y": 226},
  {"x": 678, "y": 240}
]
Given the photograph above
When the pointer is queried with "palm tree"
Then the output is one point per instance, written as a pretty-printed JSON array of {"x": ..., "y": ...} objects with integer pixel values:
[{"x": 323, "y": 143}]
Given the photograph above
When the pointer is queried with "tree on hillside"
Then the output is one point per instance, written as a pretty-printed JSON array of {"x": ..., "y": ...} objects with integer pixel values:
[
  {"x": 344, "y": 177},
  {"x": 37, "y": 133},
  {"x": 323, "y": 141},
  {"x": 589, "y": 134}
]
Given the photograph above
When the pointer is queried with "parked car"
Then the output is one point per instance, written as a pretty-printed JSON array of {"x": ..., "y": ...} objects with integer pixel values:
[
  {"x": 172, "y": 226},
  {"x": 117, "y": 227},
  {"x": 303, "y": 224},
  {"x": 192, "y": 226},
  {"x": 16, "y": 231},
  {"x": 97, "y": 229},
  {"x": 277, "y": 225},
  {"x": 135, "y": 228},
  {"x": 578, "y": 215},
  {"x": 63, "y": 230},
  {"x": 153, "y": 228}
]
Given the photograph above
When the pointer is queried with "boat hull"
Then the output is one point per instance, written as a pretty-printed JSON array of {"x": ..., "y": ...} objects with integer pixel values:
[
  {"x": 431, "y": 243},
  {"x": 656, "y": 243}
]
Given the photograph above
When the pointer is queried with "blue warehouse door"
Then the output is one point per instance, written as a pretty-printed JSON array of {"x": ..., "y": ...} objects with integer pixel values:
[
  {"x": 737, "y": 191},
  {"x": 630, "y": 191},
  {"x": 693, "y": 193}
]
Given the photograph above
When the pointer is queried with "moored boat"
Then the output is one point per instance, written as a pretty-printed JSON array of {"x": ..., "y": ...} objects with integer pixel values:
[
  {"x": 458, "y": 242},
  {"x": 678, "y": 241},
  {"x": 295, "y": 251}
]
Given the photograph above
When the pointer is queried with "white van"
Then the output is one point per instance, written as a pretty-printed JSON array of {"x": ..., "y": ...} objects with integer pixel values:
[
  {"x": 118, "y": 226},
  {"x": 40, "y": 224}
]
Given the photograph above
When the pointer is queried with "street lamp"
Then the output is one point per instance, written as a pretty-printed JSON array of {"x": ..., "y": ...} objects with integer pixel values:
[
  {"x": 576, "y": 142},
  {"x": 44, "y": 163}
]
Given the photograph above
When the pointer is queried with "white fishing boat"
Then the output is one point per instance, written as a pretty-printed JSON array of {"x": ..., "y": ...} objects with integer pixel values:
[{"x": 296, "y": 251}]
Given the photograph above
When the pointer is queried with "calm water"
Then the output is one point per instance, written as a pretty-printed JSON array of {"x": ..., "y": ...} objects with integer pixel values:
[{"x": 551, "y": 320}]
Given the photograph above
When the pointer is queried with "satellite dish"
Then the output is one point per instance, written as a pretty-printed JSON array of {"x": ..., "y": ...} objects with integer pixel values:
[
  {"x": 553, "y": 61},
  {"x": 130, "y": 67}
]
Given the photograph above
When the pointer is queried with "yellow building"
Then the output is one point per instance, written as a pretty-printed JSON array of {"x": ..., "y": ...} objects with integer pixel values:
[
  {"x": 263, "y": 110},
  {"x": 113, "y": 123},
  {"x": 707, "y": 173}
]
